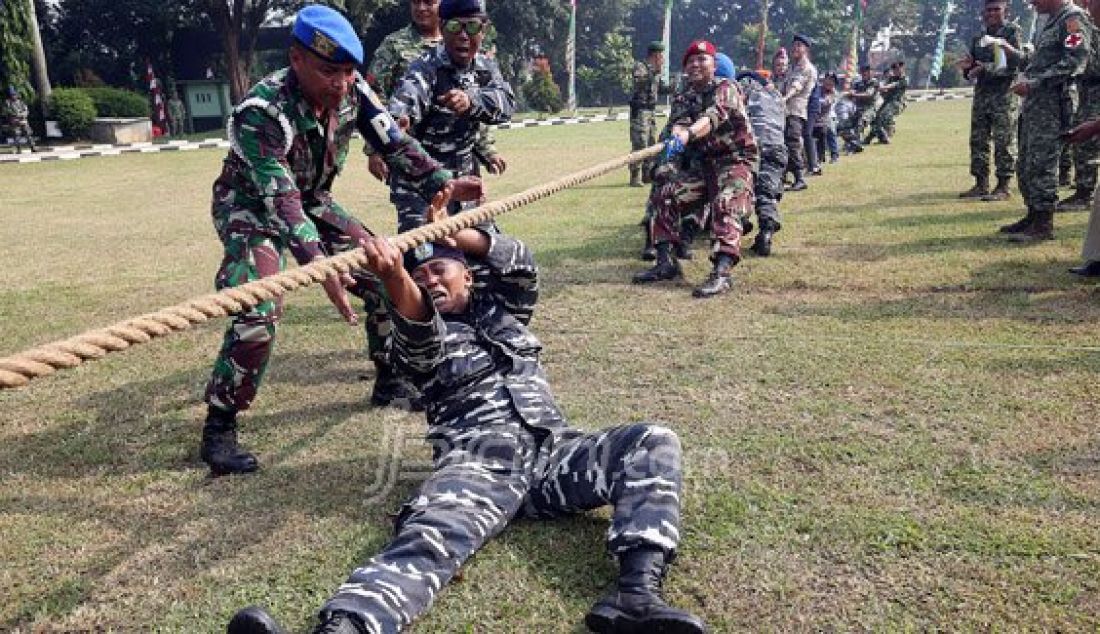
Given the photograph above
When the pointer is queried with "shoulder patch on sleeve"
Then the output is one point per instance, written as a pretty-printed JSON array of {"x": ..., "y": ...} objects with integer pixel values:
[{"x": 1074, "y": 40}]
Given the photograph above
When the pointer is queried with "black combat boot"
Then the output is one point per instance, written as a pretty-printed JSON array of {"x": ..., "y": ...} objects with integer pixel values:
[
  {"x": 1042, "y": 228},
  {"x": 718, "y": 281},
  {"x": 980, "y": 188},
  {"x": 635, "y": 606},
  {"x": 649, "y": 252},
  {"x": 338, "y": 622},
  {"x": 1080, "y": 200},
  {"x": 1088, "y": 269},
  {"x": 799, "y": 183},
  {"x": 392, "y": 390},
  {"x": 1019, "y": 225},
  {"x": 687, "y": 238},
  {"x": 1000, "y": 192},
  {"x": 666, "y": 268},
  {"x": 762, "y": 246},
  {"x": 253, "y": 620},
  {"x": 219, "y": 445}
]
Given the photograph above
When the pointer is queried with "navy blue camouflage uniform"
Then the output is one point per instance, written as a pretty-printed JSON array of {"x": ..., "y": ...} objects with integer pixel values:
[
  {"x": 448, "y": 137},
  {"x": 501, "y": 449}
]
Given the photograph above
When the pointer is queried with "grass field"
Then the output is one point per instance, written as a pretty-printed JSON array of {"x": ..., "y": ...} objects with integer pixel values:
[{"x": 889, "y": 425}]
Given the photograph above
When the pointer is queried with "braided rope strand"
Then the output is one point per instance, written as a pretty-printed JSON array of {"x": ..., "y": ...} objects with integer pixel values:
[{"x": 19, "y": 369}]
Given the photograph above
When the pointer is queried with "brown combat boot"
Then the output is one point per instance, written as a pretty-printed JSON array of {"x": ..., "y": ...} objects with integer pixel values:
[
  {"x": 1042, "y": 228},
  {"x": 1000, "y": 192},
  {"x": 1019, "y": 225},
  {"x": 980, "y": 188}
]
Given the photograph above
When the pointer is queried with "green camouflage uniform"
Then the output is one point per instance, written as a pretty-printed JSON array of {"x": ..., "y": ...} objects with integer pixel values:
[
  {"x": 1060, "y": 55},
  {"x": 14, "y": 115},
  {"x": 391, "y": 62},
  {"x": 274, "y": 194},
  {"x": 1088, "y": 86},
  {"x": 993, "y": 113},
  {"x": 648, "y": 84},
  {"x": 893, "y": 102},
  {"x": 177, "y": 117},
  {"x": 864, "y": 94}
]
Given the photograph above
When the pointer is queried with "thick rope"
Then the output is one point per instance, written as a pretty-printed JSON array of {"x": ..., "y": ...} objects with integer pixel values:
[{"x": 18, "y": 369}]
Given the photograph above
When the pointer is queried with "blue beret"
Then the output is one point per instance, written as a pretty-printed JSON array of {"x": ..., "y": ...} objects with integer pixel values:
[
  {"x": 460, "y": 9},
  {"x": 328, "y": 34},
  {"x": 805, "y": 39},
  {"x": 431, "y": 251},
  {"x": 723, "y": 66},
  {"x": 753, "y": 75}
]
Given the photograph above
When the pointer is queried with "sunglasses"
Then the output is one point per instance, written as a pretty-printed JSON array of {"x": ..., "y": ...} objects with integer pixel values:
[{"x": 472, "y": 27}]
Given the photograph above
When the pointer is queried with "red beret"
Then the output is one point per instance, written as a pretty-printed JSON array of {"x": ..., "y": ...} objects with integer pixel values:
[{"x": 697, "y": 47}]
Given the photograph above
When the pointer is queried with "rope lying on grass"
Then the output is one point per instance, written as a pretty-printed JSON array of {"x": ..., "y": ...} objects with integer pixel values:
[{"x": 18, "y": 370}]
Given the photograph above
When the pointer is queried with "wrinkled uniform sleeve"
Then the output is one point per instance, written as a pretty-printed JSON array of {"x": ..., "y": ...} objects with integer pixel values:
[
  {"x": 1075, "y": 53},
  {"x": 485, "y": 144},
  {"x": 380, "y": 74},
  {"x": 513, "y": 278},
  {"x": 494, "y": 102},
  {"x": 402, "y": 153},
  {"x": 261, "y": 140},
  {"x": 417, "y": 346}
]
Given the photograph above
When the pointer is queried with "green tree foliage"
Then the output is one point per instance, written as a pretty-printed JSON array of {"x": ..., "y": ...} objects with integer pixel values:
[
  {"x": 15, "y": 45},
  {"x": 542, "y": 94},
  {"x": 74, "y": 111},
  {"x": 608, "y": 79}
]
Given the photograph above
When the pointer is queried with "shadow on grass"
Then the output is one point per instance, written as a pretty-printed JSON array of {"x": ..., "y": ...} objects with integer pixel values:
[{"x": 919, "y": 199}]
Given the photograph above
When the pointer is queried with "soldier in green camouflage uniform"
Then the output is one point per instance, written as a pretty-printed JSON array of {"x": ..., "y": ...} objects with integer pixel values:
[
  {"x": 1049, "y": 96},
  {"x": 893, "y": 102},
  {"x": 864, "y": 93},
  {"x": 1085, "y": 153},
  {"x": 648, "y": 85},
  {"x": 14, "y": 115},
  {"x": 993, "y": 112},
  {"x": 289, "y": 140},
  {"x": 391, "y": 62}
]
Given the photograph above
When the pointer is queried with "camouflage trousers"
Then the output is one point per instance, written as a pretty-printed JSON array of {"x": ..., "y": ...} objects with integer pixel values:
[
  {"x": 768, "y": 184},
  {"x": 882, "y": 127},
  {"x": 796, "y": 153},
  {"x": 993, "y": 117},
  {"x": 1085, "y": 173},
  {"x": 1041, "y": 144},
  {"x": 485, "y": 476},
  {"x": 246, "y": 347},
  {"x": 20, "y": 133},
  {"x": 725, "y": 192},
  {"x": 643, "y": 133}
]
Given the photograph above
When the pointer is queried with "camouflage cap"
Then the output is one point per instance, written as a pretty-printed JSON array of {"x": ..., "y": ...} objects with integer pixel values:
[
  {"x": 431, "y": 251},
  {"x": 656, "y": 46}
]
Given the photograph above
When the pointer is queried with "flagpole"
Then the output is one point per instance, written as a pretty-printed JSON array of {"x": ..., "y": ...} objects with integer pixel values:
[
  {"x": 666, "y": 37},
  {"x": 762, "y": 39},
  {"x": 941, "y": 43},
  {"x": 571, "y": 55}
]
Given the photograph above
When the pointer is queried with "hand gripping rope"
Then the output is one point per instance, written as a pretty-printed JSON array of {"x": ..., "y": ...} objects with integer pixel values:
[{"x": 18, "y": 369}]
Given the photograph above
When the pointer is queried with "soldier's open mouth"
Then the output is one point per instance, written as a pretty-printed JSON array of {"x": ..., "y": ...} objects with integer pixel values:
[{"x": 437, "y": 296}]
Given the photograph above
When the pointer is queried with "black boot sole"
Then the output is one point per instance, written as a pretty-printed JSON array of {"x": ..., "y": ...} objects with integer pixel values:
[{"x": 603, "y": 620}]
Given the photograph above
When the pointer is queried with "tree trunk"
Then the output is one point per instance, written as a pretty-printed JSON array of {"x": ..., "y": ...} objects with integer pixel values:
[{"x": 38, "y": 61}]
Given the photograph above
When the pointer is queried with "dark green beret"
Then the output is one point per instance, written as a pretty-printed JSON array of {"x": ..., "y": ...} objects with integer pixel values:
[{"x": 656, "y": 46}]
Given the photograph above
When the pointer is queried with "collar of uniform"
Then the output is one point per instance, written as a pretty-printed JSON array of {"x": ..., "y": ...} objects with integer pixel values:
[
  {"x": 412, "y": 34},
  {"x": 445, "y": 59}
]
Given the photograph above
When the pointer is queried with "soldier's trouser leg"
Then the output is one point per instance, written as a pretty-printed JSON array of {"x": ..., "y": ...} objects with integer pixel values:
[
  {"x": 1004, "y": 137},
  {"x": 246, "y": 347},
  {"x": 477, "y": 487},
  {"x": 731, "y": 195},
  {"x": 642, "y": 135},
  {"x": 981, "y": 131},
  {"x": 1065, "y": 165},
  {"x": 793, "y": 137},
  {"x": 769, "y": 185},
  {"x": 634, "y": 468},
  {"x": 1085, "y": 153},
  {"x": 676, "y": 195},
  {"x": 1040, "y": 146},
  {"x": 809, "y": 144}
]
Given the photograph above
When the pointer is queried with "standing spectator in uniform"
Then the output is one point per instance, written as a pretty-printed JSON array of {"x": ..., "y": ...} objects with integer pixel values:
[
  {"x": 15, "y": 115},
  {"x": 502, "y": 449},
  {"x": 994, "y": 110},
  {"x": 825, "y": 124},
  {"x": 177, "y": 115},
  {"x": 712, "y": 151},
  {"x": 809, "y": 141},
  {"x": 391, "y": 62},
  {"x": 1086, "y": 153},
  {"x": 648, "y": 85},
  {"x": 796, "y": 88},
  {"x": 1048, "y": 89},
  {"x": 768, "y": 114},
  {"x": 289, "y": 139},
  {"x": 893, "y": 102}
]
